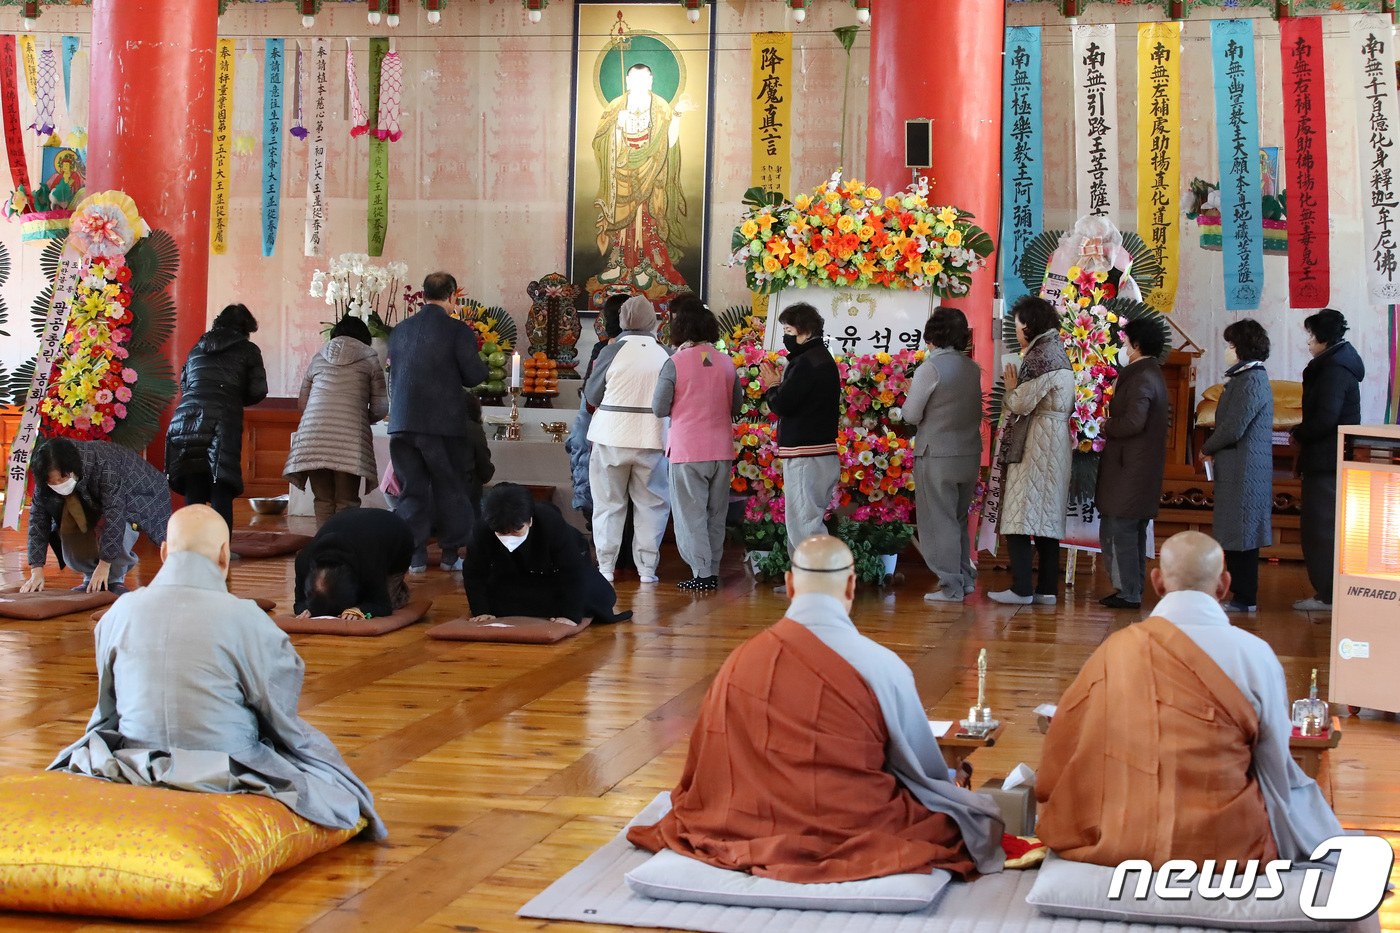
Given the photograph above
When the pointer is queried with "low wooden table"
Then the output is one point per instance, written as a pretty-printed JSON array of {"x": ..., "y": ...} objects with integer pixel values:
[
  {"x": 1308, "y": 751},
  {"x": 956, "y": 748}
]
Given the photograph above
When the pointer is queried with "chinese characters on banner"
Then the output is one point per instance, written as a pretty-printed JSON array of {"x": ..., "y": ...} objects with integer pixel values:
[
  {"x": 1022, "y": 167},
  {"x": 378, "y": 216},
  {"x": 1305, "y": 148},
  {"x": 31, "y": 66},
  {"x": 223, "y": 146},
  {"x": 316, "y": 151},
  {"x": 9, "y": 104},
  {"x": 772, "y": 111},
  {"x": 1159, "y": 155},
  {"x": 1237, "y": 146},
  {"x": 1096, "y": 120},
  {"x": 50, "y": 347},
  {"x": 273, "y": 64},
  {"x": 1377, "y": 116}
]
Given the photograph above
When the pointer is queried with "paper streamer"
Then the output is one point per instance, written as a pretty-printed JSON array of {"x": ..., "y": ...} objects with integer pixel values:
[
  {"x": 223, "y": 146},
  {"x": 78, "y": 101},
  {"x": 1377, "y": 122},
  {"x": 1237, "y": 145},
  {"x": 299, "y": 126},
  {"x": 1305, "y": 152},
  {"x": 71, "y": 44},
  {"x": 1022, "y": 162},
  {"x": 1159, "y": 155},
  {"x": 48, "y": 88},
  {"x": 1096, "y": 120},
  {"x": 378, "y": 216},
  {"x": 770, "y": 61},
  {"x": 274, "y": 61},
  {"x": 359, "y": 120},
  {"x": 320, "y": 66},
  {"x": 30, "y": 59},
  {"x": 50, "y": 348},
  {"x": 9, "y": 111},
  {"x": 245, "y": 104},
  {"x": 390, "y": 99}
]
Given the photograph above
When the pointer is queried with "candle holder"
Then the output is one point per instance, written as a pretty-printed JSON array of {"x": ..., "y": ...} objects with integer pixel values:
[
  {"x": 979, "y": 721},
  {"x": 1312, "y": 717},
  {"x": 513, "y": 429}
]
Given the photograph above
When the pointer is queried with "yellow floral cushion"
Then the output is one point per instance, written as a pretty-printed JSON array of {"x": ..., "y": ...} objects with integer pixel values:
[{"x": 80, "y": 845}]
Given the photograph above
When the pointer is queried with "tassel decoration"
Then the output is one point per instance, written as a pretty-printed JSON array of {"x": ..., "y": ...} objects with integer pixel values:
[
  {"x": 390, "y": 98},
  {"x": 299, "y": 93},
  {"x": 47, "y": 88},
  {"x": 359, "y": 120}
]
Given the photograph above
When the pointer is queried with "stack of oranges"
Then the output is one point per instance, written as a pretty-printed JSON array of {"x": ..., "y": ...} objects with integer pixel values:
[{"x": 540, "y": 376}]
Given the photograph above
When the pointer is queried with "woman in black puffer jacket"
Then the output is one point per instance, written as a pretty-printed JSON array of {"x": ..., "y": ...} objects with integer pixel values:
[{"x": 204, "y": 445}]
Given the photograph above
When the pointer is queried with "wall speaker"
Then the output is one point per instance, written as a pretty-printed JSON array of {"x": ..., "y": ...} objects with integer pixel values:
[{"x": 918, "y": 144}]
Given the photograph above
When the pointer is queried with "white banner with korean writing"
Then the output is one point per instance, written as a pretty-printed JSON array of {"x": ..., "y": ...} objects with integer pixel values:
[
  {"x": 859, "y": 321},
  {"x": 1096, "y": 120},
  {"x": 1377, "y": 123},
  {"x": 316, "y": 152}
]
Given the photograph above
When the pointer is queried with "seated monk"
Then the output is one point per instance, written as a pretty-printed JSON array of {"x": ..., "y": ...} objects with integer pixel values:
[
  {"x": 1172, "y": 743},
  {"x": 355, "y": 566},
  {"x": 812, "y": 759},
  {"x": 198, "y": 690}
]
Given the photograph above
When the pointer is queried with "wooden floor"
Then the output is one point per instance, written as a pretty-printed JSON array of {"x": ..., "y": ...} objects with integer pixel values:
[{"x": 499, "y": 767}]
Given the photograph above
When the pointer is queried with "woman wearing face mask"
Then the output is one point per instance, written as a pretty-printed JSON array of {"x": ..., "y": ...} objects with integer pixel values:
[
  {"x": 1133, "y": 460},
  {"x": 525, "y": 560},
  {"x": 1242, "y": 450},
  {"x": 79, "y": 485}
]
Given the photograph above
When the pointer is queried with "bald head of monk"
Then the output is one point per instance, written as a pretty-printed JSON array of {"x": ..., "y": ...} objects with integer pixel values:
[
  {"x": 823, "y": 564},
  {"x": 1191, "y": 561},
  {"x": 200, "y": 529}
]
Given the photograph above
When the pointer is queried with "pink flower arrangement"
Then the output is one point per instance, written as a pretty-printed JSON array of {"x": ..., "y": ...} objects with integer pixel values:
[
  {"x": 1091, "y": 343},
  {"x": 875, "y": 386}
]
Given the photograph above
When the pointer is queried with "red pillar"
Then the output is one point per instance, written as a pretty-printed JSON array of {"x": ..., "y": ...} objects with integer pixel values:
[
  {"x": 941, "y": 60},
  {"x": 150, "y": 129}
]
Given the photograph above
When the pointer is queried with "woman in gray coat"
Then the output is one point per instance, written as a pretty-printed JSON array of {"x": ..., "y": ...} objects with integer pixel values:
[
  {"x": 342, "y": 394},
  {"x": 1242, "y": 450}
]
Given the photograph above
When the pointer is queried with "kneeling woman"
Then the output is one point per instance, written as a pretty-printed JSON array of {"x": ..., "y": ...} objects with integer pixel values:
[
  {"x": 525, "y": 560},
  {"x": 355, "y": 566}
]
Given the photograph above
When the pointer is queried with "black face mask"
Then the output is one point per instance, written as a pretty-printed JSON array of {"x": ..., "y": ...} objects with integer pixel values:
[{"x": 790, "y": 343}]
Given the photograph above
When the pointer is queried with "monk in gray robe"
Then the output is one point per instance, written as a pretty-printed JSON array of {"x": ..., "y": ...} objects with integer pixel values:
[{"x": 198, "y": 691}]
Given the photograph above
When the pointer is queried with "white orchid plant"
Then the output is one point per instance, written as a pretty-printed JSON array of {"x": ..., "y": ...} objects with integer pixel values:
[{"x": 356, "y": 287}]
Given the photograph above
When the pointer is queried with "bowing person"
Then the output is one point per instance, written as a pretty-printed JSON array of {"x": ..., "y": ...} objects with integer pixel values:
[{"x": 355, "y": 566}]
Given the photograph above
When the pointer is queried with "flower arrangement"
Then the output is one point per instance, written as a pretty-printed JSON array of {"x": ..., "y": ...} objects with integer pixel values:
[
  {"x": 1092, "y": 345},
  {"x": 850, "y": 236},
  {"x": 492, "y": 325},
  {"x": 757, "y": 467},
  {"x": 874, "y": 465},
  {"x": 876, "y": 385},
  {"x": 92, "y": 383},
  {"x": 357, "y": 287},
  {"x": 747, "y": 360}
]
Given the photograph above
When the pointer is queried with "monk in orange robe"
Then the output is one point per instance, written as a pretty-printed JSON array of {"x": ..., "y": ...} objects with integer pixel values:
[
  {"x": 812, "y": 759},
  {"x": 1172, "y": 743}
]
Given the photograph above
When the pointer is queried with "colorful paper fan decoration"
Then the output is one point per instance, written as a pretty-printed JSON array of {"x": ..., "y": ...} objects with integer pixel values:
[
  {"x": 390, "y": 98},
  {"x": 247, "y": 105},
  {"x": 106, "y": 225},
  {"x": 359, "y": 120}
]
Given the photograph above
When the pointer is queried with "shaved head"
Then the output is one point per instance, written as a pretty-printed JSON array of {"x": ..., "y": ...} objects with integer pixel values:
[
  {"x": 823, "y": 564},
  {"x": 1191, "y": 561},
  {"x": 200, "y": 529}
]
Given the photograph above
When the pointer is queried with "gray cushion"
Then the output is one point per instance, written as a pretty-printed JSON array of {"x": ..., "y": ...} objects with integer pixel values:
[
  {"x": 1078, "y": 889},
  {"x": 670, "y": 876}
]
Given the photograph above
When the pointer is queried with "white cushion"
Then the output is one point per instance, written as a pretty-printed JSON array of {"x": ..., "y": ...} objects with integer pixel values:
[
  {"x": 1078, "y": 889},
  {"x": 670, "y": 876}
]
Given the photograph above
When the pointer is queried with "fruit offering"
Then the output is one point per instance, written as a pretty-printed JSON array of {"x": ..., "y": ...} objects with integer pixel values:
[{"x": 540, "y": 376}]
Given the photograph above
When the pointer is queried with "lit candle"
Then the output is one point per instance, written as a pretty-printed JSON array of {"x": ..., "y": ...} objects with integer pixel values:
[{"x": 515, "y": 379}]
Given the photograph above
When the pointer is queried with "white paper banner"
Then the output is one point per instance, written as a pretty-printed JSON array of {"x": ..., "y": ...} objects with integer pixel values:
[
  {"x": 50, "y": 347},
  {"x": 1096, "y": 120},
  {"x": 316, "y": 152},
  {"x": 859, "y": 321},
  {"x": 1377, "y": 125}
]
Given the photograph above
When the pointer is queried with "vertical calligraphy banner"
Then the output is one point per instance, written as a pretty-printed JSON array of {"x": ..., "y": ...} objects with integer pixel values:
[
  {"x": 316, "y": 151},
  {"x": 1237, "y": 147},
  {"x": 378, "y": 215},
  {"x": 1096, "y": 120},
  {"x": 274, "y": 66},
  {"x": 71, "y": 44},
  {"x": 1305, "y": 151},
  {"x": 30, "y": 58},
  {"x": 223, "y": 146},
  {"x": 1377, "y": 116},
  {"x": 772, "y": 111},
  {"x": 1022, "y": 165},
  {"x": 9, "y": 112},
  {"x": 1159, "y": 155}
]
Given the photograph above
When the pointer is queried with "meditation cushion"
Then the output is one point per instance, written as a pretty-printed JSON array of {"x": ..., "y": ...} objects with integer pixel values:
[
  {"x": 518, "y": 630},
  {"x": 670, "y": 876},
  {"x": 267, "y": 543},
  {"x": 50, "y": 604},
  {"x": 80, "y": 845},
  {"x": 266, "y": 605},
  {"x": 1078, "y": 889},
  {"x": 335, "y": 625}
]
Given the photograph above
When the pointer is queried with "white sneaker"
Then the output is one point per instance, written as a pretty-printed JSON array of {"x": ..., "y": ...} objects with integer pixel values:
[
  {"x": 607, "y": 575},
  {"x": 1043, "y": 600},
  {"x": 1312, "y": 604},
  {"x": 646, "y": 579},
  {"x": 1007, "y": 597},
  {"x": 943, "y": 596}
]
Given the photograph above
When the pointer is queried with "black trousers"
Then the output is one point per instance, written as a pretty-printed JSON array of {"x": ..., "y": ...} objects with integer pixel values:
[
  {"x": 1318, "y": 526},
  {"x": 1018, "y": 547},
  {"x": 202, "y": 490},
  {"x": 1244, "y": 575},
  {"x": 435, "y": 476}
]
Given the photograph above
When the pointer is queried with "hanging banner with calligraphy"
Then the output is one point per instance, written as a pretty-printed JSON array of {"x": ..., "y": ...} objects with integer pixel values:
[
  {"x": 1159, "y": 155},
  {"x": 9, "y": 112},
  {"x": 378, "y": 216},
  {"x": 1022, "y": 165},
  {"x": 71, "y": 44},
  {"x": 1237, "y": 147},
  {"x": 223, "y": 146},
  {"x": 1305, "y": 149},
  {"x": 30, "y": 57},
  {"x": 1096, "y": 120},
  {"x": 772, "y": 111},
  {"x": 316, "y": 152},
  {"x": 274, "y": 63},
  {"x": 1377, "y": 116}
]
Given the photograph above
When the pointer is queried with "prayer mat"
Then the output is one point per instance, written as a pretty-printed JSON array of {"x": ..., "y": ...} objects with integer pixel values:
[
  {"x": 50, "y": 604},
  {"x": 257, "y": 544},
  {"x": 516, "y": 630},
  {"x": 266, "y": 605},
  {"x": 335, "y": 625}
]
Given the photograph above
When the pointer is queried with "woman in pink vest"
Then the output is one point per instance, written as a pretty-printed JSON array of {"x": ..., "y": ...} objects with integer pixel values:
[{"x": 699, "y": 391}]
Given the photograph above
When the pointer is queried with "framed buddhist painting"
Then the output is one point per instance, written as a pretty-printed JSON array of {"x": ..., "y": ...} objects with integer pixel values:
[{"x": 642, "y": 141}]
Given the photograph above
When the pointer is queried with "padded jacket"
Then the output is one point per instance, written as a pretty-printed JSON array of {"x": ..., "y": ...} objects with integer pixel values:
[{"x": 223, "y": 374}]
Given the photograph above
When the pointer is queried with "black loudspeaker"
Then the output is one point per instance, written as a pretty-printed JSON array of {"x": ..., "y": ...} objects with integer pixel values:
[{"x": 918, "y": 144}]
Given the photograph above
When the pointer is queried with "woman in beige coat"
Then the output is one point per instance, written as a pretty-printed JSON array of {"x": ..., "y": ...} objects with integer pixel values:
[
  {"x": 342, "y": 395},
  {"x": 1035, "y": 452}
]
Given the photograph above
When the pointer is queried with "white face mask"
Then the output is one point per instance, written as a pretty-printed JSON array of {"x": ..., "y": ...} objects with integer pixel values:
[
  {"x": 1231, "y": 358},
  {"x": 1124, "y": 357},
  {"x": 66, "y": 487},
  {"x": 512, "y": 541}
]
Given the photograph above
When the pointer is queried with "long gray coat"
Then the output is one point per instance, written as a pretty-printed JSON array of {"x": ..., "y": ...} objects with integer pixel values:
[
  {"x": 1242, "y": 446},
  {"x": 342, "y": 394},
  {"x": 1036, "y": 490}
]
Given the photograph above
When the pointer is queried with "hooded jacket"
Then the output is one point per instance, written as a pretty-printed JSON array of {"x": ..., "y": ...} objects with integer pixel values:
[
  {"x": 223, "y": 374},
  {"x": 1331, "y": 397},
  {"x": 342, "y": 394}
]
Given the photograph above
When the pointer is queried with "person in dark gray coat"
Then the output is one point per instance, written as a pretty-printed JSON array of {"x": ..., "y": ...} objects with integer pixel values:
[
  {"x": 1132, "y": 463},
  {"x": 1242, "y": 450},
  {"x": 432, "y": 357}
]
